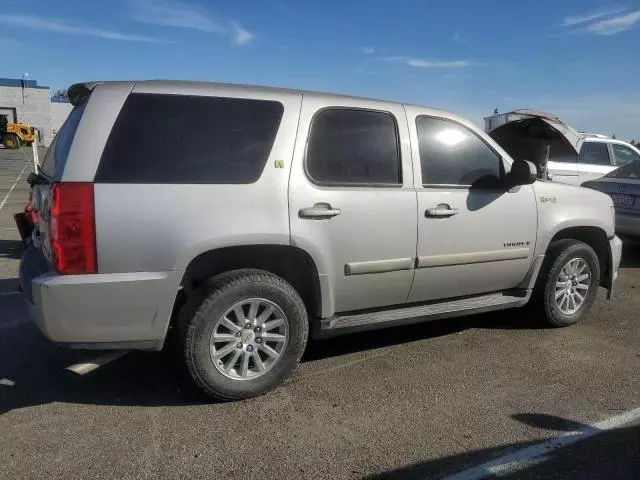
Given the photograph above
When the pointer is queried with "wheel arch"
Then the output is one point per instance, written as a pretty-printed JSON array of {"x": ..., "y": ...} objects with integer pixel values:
[
  {"x": 593, "y": 236},
  {"x": 293, "y": 264}
]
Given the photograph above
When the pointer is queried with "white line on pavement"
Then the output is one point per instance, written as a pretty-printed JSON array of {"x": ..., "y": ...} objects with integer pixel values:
[
  {"x": 6, "y": 197},
  {"x": 536, "y": 454}
]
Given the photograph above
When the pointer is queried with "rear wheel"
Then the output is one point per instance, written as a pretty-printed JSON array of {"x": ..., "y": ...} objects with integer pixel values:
[
  {"x": 247, "y": 335},
  {"x": 568, "y": 283},
  {"x": 10, "y": 141}
]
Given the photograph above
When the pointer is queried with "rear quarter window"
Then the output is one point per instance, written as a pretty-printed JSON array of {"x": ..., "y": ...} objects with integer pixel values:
[
  {"x": 56, "y": 157},
  {"x": 162, "y": 139}
]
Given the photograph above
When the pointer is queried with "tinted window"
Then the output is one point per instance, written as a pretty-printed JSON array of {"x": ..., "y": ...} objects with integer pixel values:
[
  {"x": 622, "y": 155},
  {"x": 451, "y": 154},
  {"x": 595, "y": 153},
  {"x": 56, "y": 157},
  {"x": 189, "y": 139},
  {"x": 354, "y": 147}
]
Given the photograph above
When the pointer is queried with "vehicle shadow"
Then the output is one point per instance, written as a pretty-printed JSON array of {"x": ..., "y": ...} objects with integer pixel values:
[
  {"x": 515, "y": 318},
  {"x": 630, "y": 253},
  {"x": 611, "y": 454},
  {"x": 11, "y": 249},
  {"x": 33, "y": 370},
  {"x": 8, "y": 285}
]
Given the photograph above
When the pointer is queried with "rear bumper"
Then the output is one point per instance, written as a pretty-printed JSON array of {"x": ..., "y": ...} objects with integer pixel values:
[
  {"x": 123, "y": 310},
  {"x": 628, "y": 224}
]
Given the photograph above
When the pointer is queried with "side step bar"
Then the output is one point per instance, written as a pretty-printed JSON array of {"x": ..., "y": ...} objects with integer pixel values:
[{"x": 408, "y": 314}]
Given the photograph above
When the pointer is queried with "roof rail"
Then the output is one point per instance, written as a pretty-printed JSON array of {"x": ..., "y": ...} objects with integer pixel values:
[{"x": 594, "y": 135}]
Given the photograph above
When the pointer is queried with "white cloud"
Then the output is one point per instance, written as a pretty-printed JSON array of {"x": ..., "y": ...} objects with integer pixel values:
[
  {"x": 588, "y": 17},
  {"x": 459, "y": 38},
  {"x": 242, "y": 36},
  {"x": 368, "y": 50},
  {"x": 39, "y": 23},
  {"x": 172, "y": 13},
  {"x": 419, "y": 63},
  {"x": 614, "y": 25}
]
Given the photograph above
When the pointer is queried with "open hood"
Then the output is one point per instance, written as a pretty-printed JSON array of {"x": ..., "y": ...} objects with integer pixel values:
[{"x": 526, "y": 134}]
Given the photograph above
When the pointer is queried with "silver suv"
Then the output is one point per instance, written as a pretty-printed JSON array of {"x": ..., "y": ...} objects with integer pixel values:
[{"x": 243, "y": 218}]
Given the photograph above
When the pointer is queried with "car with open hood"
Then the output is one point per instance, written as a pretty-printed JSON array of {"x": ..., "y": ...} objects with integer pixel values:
[{"x": 561, "y": 153}]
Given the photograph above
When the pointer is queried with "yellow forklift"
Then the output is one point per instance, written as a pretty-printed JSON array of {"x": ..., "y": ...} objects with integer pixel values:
[{"x": 12, "y": 135}]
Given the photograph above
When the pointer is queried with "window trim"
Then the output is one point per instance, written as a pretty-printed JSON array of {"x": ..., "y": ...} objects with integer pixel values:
[
  {"x": 457, "y": 186},
  {"x": 261, "y": 171},
  {"x": 352, "y": 184}
]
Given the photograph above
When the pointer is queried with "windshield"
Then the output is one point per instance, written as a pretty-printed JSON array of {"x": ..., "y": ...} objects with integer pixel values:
[
  {"x": 630, "y": 170},
  {"x": 56, "y": 157}
]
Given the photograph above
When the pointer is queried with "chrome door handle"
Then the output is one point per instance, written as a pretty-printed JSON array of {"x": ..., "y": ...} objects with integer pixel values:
[
  {"x": 319, "y": 210},
  {"x": 441, "y": 211}
]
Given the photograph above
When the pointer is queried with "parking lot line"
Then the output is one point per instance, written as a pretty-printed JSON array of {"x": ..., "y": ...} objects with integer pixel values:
[
  {"x": 6, "y": 197},
  {"x": 539, "y": 453}
]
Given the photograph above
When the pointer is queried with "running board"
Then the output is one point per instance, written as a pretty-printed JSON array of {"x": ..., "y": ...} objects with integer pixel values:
[{"x": 404, "y": 315}]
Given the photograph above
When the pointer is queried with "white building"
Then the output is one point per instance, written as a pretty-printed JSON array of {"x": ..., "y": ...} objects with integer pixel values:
[{"x": 27, "y": 102}]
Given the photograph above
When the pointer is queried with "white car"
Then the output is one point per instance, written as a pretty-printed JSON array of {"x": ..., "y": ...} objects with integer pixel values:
[
  {"x": 561, "y": 153},
  {"x": 599, "y": 155}
]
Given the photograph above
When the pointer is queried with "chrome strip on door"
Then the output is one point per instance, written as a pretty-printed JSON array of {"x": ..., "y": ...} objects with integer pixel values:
[
  {"x": 378, "y": 266},
  {"x": 469, "y": 258}
]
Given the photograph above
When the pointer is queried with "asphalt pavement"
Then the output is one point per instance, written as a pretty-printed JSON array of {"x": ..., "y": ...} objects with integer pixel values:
[{"x": 458, "y": 396}]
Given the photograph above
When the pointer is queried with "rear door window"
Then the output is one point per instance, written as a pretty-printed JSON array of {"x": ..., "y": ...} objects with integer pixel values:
[
  {"x": 189, "y": 139},
  {"x": 594, "y": 153},
  {"x": 355, "y": 147},
  {"x": 56, "y": 157}
]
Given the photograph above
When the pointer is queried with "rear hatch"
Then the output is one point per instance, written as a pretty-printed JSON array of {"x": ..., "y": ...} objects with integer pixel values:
[{"x": 49, "y": 173}]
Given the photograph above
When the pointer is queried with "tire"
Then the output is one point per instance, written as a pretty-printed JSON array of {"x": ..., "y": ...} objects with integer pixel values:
[
  {"x": 10, "y": 142},
  {"x": 560, "y": 255},
  {"x": 228, "y": 378}
]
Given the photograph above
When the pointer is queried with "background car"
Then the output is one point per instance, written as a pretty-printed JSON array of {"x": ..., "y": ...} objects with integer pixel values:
[
  {"x": 560, "y": 153},
  {"x": 623, "y": 185},
  {"x": 598, "y": 156}
]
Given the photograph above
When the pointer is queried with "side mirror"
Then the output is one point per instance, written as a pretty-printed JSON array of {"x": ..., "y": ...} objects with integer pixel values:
[{"x": 522, "y": 172}]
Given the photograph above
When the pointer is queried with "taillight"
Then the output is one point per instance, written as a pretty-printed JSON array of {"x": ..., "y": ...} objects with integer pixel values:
[{"x": 72, "y": 228}]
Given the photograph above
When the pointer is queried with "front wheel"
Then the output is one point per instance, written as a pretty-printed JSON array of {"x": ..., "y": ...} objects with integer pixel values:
[
  {"x": 568, "y": 283},
  {"x": 247, "y": 335},
  {"x": 11, "y": 142}
]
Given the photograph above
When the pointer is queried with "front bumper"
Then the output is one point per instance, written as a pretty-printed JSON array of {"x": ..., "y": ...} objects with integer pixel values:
[{"x": 119, "y": 310}]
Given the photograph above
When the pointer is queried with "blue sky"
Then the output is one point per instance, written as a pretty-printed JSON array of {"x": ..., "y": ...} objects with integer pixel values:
[{"x": 578, "y": 59}]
